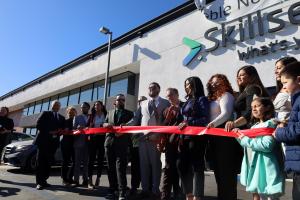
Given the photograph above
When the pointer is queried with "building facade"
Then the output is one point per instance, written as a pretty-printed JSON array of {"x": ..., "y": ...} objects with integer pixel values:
[{"x": 168, "y": 49}]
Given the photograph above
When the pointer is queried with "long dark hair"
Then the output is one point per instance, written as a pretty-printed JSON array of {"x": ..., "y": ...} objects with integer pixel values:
[
  {"x": 224, "y": 86},
  {"x": 104, "y": 111},
  {"x": 268, "y": 105},
  {"x": 254, "y": 79},
  {"x": 197, "y": 87},
  {"x": 284, "y": 61}
]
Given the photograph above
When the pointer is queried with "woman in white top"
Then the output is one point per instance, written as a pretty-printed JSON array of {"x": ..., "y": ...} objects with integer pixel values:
[
  {"x": 282, "y": 101},
  {"x": 220, "y": 95}
]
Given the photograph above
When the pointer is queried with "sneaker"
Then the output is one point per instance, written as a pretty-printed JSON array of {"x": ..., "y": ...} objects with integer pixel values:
[{"x": 39, "y": 187}]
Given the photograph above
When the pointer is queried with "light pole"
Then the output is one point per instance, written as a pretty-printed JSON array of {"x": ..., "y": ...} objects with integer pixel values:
[{"x": 106, "y": 31}]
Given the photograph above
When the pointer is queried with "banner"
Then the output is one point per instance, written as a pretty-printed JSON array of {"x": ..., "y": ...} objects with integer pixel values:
[
  {"x": 190, "y": 130},
  {"x": 228, "y": 10}
]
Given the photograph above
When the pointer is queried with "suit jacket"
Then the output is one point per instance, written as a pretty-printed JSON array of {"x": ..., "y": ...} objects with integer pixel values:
[
  {"x": 125, "y": 117},
  {"x": 46, "y": 123},
  {"x": 145, "y": 118},
  {"x": 80, "y": 140}
]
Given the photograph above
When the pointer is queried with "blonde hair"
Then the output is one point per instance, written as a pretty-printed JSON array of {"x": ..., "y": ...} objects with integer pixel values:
[{"x": 71, "y": 108}]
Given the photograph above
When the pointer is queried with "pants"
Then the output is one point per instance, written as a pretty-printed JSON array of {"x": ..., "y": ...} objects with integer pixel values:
[
  {"x": 96, "y": 151},
  {"x": 296, "y": 186},
  {"x": 223, "y": 156},
  {"x": 81, "y": 157},
  {"x": 170, "y": 173},
  {"x": 135, "y": 168},
  {"x": 45, "y": 155},
  {"x": 116, "y": 154},
  {"x": 191, "y": 165},
  {"x": 150, "y": 164},
  {"x": 68, "y": 157}
]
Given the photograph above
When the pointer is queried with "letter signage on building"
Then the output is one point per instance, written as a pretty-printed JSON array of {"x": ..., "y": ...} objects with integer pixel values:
[{"x": 227, "y": 10}]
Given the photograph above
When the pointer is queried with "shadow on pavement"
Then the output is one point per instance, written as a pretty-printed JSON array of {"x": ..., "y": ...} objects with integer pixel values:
[{"x": 6, "y": 191}]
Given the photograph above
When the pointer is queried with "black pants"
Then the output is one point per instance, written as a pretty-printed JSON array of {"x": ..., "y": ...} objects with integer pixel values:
[
  {"x": 45, "y": 155},
  {"x": 170, "y": 172},
  {"x": 296, "y": 186},
  {"x": 135, "y": 168},
  {"x": 67, "y": 151},
  {"x": 96, "y": 151},
  {"x": 223, "y": 158},
  {"x": 116, "y": 155},
  {"x": 191, "y": 165}
]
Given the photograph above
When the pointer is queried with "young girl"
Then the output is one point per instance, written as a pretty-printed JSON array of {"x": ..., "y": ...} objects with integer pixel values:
[{"x": 262, "y": 168}]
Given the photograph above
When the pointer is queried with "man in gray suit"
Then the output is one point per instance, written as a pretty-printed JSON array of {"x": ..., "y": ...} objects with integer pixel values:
[
  {"x": 81, "y": 146},
  {"x": 150, "y": 113}
]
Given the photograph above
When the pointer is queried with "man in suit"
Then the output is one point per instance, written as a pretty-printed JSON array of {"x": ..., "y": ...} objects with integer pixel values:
[
  {"x": 49, "y": 125},
  {"x": 116, "y": 148},
  {"x": 81, "y": 146},
  {"x": 150, "y": 114}
]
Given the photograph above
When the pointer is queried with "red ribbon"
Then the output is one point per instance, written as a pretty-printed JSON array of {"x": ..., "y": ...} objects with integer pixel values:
[{"x": 190, "y": 130}]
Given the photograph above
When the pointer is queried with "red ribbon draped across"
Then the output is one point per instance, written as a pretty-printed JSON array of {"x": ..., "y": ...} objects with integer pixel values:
[{"x": 190, "y": 130}]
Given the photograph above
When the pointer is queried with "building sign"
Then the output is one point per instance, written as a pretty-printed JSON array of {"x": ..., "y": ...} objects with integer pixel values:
[
  {"x": 227, "y": 10},
  {"x": 195, "y": 49},
  {"x": 250, "y": 26}
]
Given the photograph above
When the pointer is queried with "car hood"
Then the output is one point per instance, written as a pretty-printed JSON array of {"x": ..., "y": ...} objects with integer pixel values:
[{"x": 22, "y": 143}]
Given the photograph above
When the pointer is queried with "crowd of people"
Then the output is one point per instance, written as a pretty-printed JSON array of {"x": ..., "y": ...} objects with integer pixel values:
[{"x": 260, "y": 161}]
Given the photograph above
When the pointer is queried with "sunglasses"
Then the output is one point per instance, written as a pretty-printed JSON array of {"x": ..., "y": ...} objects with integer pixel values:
[{"x": 120, "y": 99}]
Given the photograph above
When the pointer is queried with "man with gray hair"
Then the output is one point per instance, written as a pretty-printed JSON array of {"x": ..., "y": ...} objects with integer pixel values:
[{"x": 49, "y": 126}]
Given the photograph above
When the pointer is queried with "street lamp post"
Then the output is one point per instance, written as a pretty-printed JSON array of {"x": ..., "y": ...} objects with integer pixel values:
[{"x": 106, "y": 31}]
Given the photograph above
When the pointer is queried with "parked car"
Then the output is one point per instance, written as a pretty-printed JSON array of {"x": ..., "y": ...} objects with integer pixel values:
[{"x": 22, "y": 153}]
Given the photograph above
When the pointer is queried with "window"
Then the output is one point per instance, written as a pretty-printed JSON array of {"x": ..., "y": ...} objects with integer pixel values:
[
  {"x": 27, "y": 131},
  {"x": 118, "y": 87},
  {"x": 38, "y": 106},
  {"x": 45, "y": 104},
  {"x": 98, "y": 91},
  {"x": 30, "y": 109},
  {"x": 25, "y": 111},
  {"x": 74, "y": 97},
  {"x": 33, "y": 131},
  {"x": 63, "y": 99},
  {"x": 122, "y": 84},
  {"x": 86, "y": 93}
]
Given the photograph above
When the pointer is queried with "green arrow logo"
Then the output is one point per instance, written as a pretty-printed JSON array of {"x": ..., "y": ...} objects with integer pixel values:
[{"x": 195, "y": 49}]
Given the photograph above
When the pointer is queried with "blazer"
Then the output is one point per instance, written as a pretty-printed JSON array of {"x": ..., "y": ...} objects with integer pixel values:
[
  {"x": 125, "y": 117},
  {"x": 143, "y": 116},
  {"x": 80, "y": 140},
  {"x": 46, "y": 123}
]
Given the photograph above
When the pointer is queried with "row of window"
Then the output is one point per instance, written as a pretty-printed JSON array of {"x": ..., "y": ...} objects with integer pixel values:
[
  {"x": 30, "y": 131},
  {"x": 123, "y": 83}
]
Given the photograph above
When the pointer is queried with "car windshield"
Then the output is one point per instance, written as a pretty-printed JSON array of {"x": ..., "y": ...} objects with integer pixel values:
[{"x": 18, "y": 137}]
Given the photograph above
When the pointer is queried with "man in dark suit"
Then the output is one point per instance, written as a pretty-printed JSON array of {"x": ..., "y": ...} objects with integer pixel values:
[
  {"x": 116, "y": 148},
  {"x": 49, "y": 126}
]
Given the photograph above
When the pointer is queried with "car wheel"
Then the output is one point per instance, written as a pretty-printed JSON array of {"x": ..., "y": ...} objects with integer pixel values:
[{"x": 31, "y": 163}]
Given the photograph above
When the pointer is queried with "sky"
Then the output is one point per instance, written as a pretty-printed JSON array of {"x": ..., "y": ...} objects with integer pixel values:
[{"x": 38, "y": 36}]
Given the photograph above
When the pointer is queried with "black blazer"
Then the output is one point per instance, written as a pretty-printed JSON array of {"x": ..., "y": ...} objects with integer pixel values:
[
  {"x": 125, "y": 117},
  {"x": 46, "y": 123}
]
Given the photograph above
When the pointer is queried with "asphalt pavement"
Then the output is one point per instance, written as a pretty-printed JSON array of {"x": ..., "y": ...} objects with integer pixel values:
[{"x": 18, "y": 185}]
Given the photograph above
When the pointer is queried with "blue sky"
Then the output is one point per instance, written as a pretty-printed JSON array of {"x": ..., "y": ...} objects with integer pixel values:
[{"x": 38, "y": 36}]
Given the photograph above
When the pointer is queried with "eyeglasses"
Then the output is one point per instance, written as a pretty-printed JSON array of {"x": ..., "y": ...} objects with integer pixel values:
[{"x": 120, "y": 99}]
